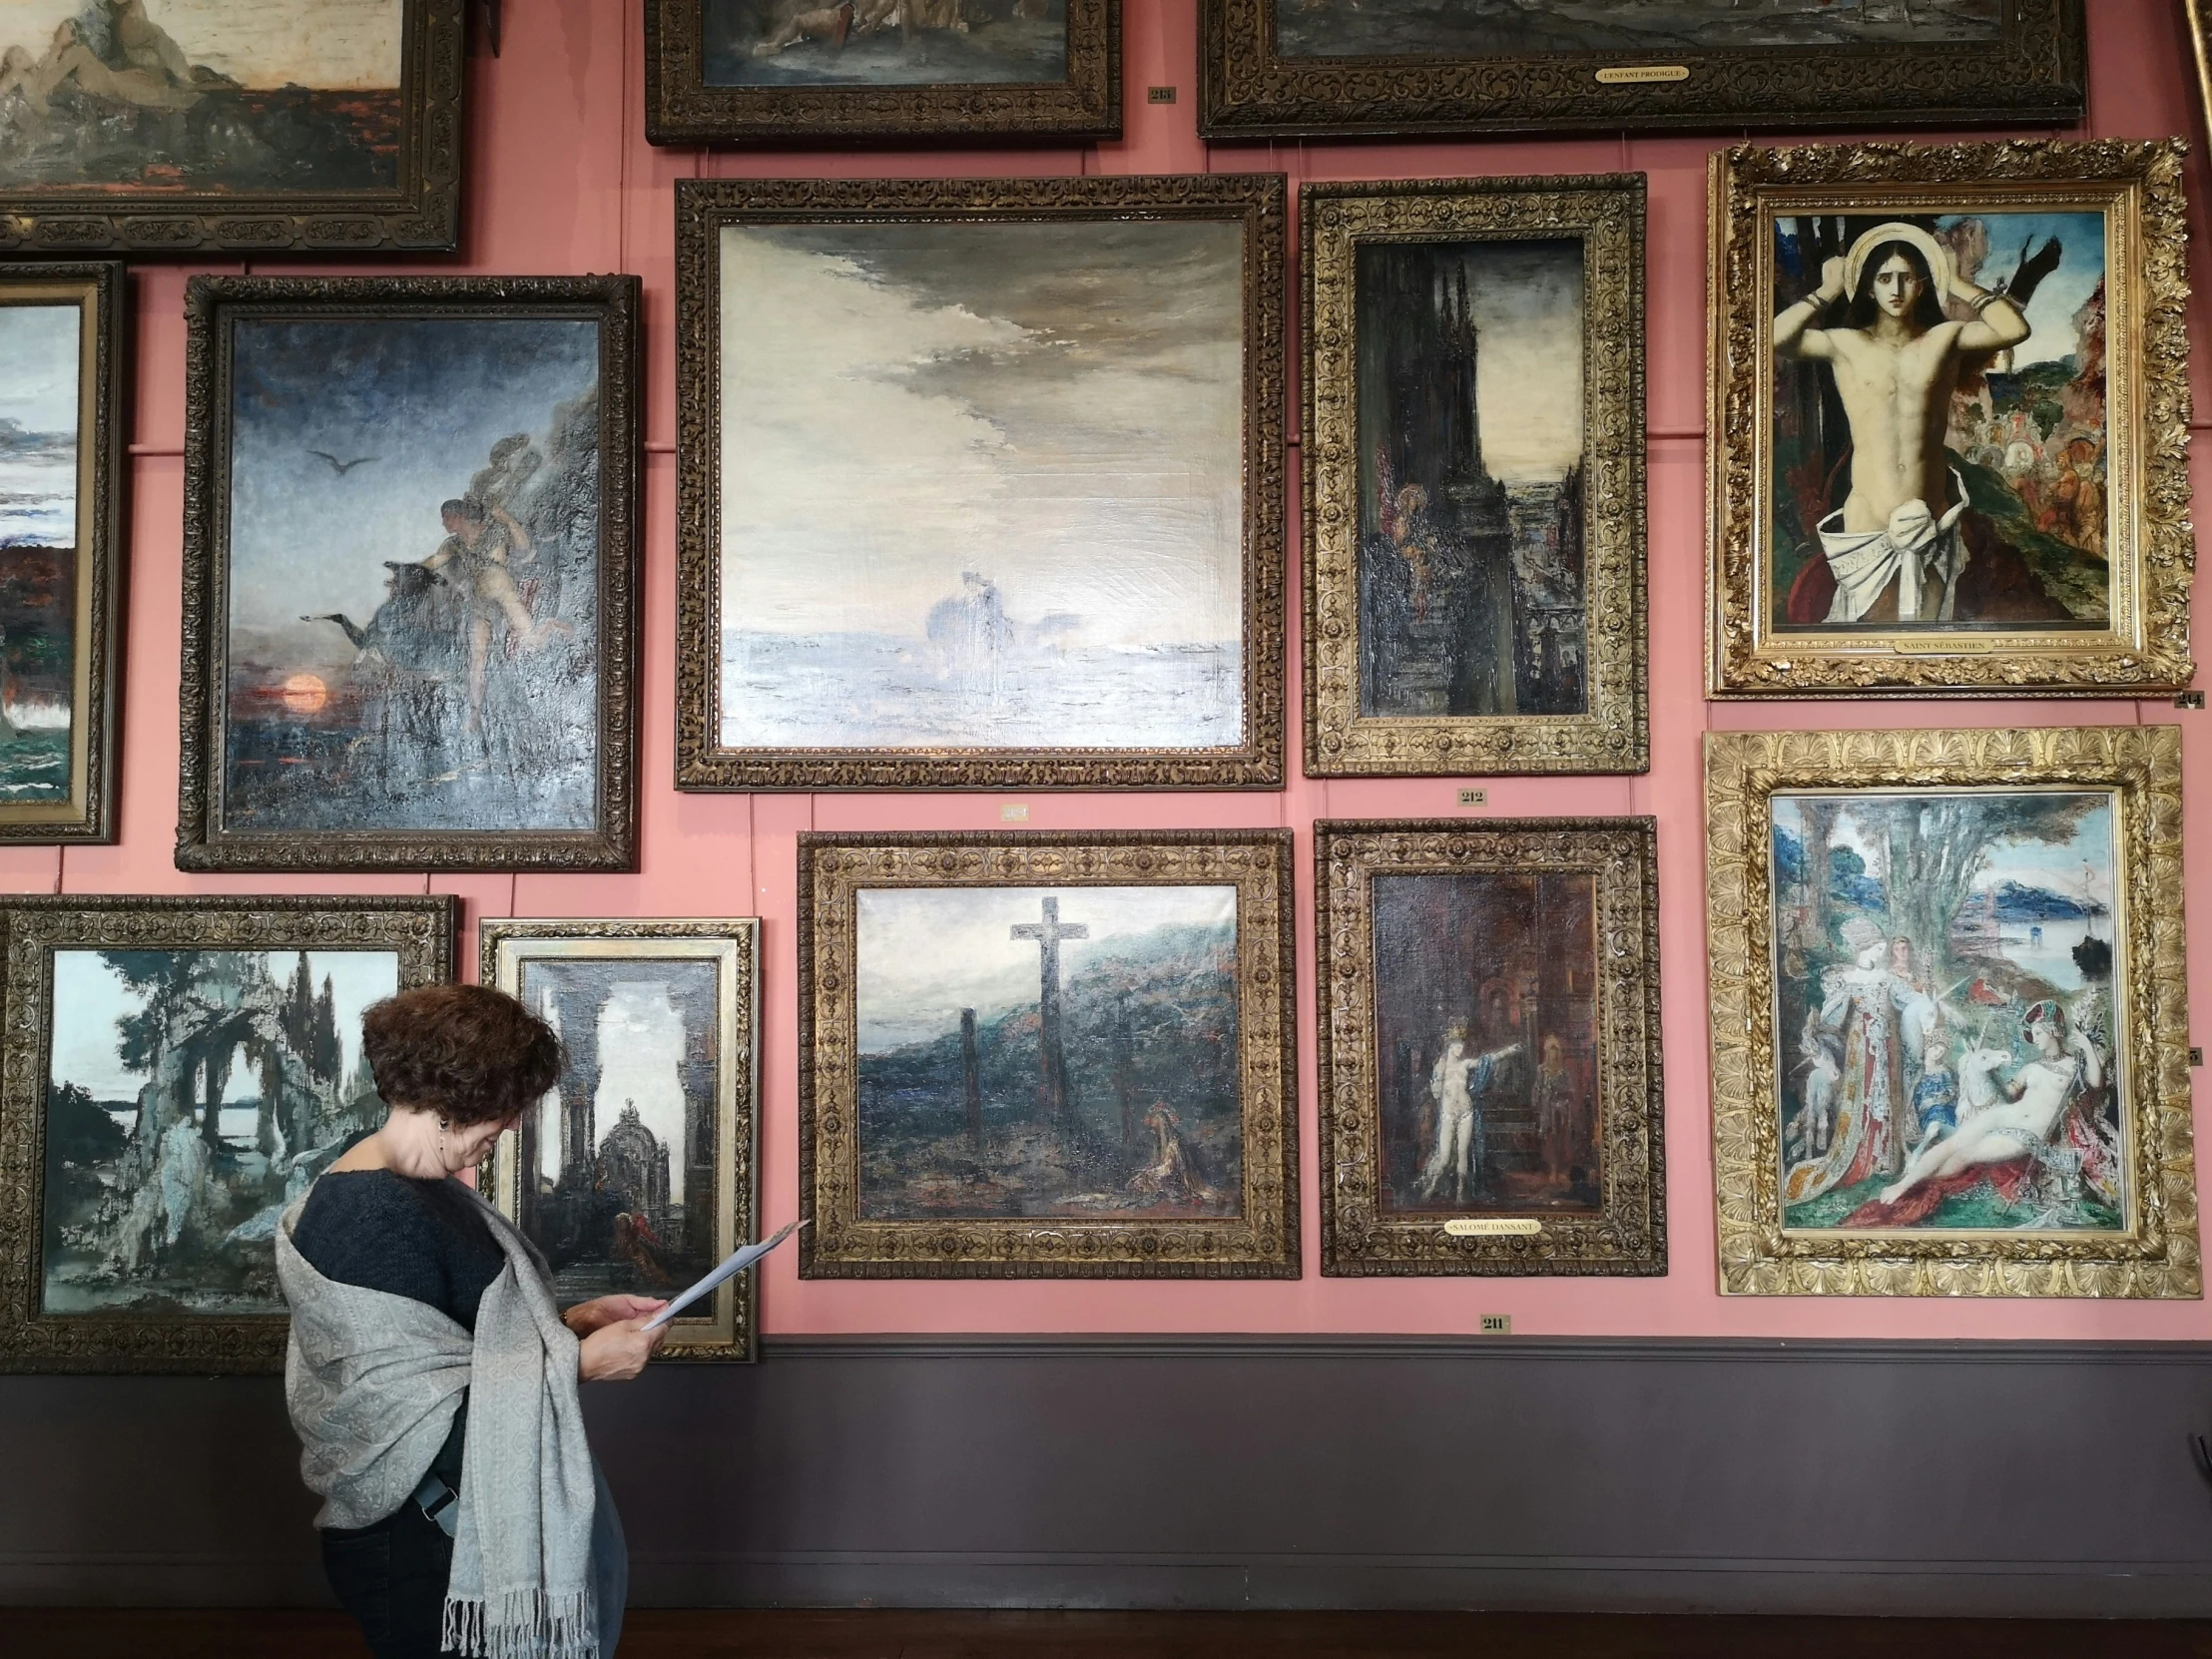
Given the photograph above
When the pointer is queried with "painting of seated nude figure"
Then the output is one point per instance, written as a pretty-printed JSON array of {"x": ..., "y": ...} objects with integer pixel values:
[{"x": 1940, "y": 443}]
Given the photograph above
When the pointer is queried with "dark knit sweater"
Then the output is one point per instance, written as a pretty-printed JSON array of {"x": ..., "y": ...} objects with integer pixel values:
[{"x": 423, "y": 1240}]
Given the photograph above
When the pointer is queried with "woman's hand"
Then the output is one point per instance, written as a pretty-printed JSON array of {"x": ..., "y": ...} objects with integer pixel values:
[
  {"x": 618, "y": 1351},
  {"x": 587, "y": 1317}
]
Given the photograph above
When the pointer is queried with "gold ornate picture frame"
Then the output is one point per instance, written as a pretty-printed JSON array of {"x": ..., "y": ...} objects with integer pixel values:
[
  {"x": 1048, "y": 1056},
  {"x": 2037, "y": 538},
  {"x": 1474, "y": 560},
  {"x": 717, "y": 72},
  {"x": 1068, "y": 572},
  {"x": 1489, "y": 1071},
  {"x": 174, "y": 1071},
  {"x": 1283, "y": 69},
  {"x": 645, "y": 1197},
  {"x": 1950, "y": 1028}
]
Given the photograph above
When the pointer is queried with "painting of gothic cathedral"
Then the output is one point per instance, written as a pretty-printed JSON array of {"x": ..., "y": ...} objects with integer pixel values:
[
  {"x": 180, "y": 1073},
  {"x": 1064, "y": 1066},
  {"x": 637, "y": 1172},
  {"x": 415, "y": 540},
  {"x": 1476, "y": 568}
]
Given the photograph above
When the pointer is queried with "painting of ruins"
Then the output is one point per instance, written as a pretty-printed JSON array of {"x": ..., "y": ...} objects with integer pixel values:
[
  {"x": 884, "y": 42},
  {"x": 1487, "y": 346},
  {"x": 1947, "y": 979},
  {"x": 636, "y": 1174},
  {"x": 1294, "y": 68},
  {"x": 1989, "y": 520},
  {"x": 176, "y": 116},
  {"x": 1040, "y": 566},
  {"x": 1041, "y": 1059},
  {"x": 1945, "y": 1062},
  {"x": 197, "y": 1064},
  {"x": 419, "y": 547},
  {"x": 1489, "y": 1075}
]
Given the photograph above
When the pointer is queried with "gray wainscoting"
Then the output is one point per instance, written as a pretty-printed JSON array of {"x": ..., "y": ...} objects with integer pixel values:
[{"x": 1285, "y": 1472}]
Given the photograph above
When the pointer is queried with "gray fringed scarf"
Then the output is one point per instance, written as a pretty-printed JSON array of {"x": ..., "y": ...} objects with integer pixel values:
[{"x": 372, "y": 1382}]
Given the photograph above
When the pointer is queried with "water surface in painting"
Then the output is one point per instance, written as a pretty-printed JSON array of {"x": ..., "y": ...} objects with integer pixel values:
[
  {"x": 983, "y": 486},
  {"x": 1483, "y": 28},
  {"x": 785, "y": 43},
  {"x": 413, "y": 575},
  {"x": 1946, "y": 973},
  {"x": 200, "y": 95},
  {"x": 1031, "y": 1051},
  {"x": 41, "y": 405}
]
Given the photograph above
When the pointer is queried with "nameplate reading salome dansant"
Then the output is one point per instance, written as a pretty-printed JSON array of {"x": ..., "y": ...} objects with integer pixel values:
[
  {"x": 1642, "y": 74},
  {"x": 1492, "y": 1227}
]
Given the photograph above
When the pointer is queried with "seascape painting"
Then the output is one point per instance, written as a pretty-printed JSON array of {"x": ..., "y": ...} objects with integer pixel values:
[
  {"x": 869, "y": 43},
  {"x": 1485, "y": 1042},
  {"x": 191, "y": 1095},
  {"x": 1487, "y": 28},
  {"x": 204, "y": 97},
  {"x": 617, "y": 1168},
  {"x": 983, "y": 486},
  {"x": 413, "y": 575},
  {"x": 1946, "y": 986},
  {"x": 1469, "y": 431},
  {"x": 1041, "y": 1053},
  {"x": 42, "y": 535},
  {"x": 1977, "y": 494}
]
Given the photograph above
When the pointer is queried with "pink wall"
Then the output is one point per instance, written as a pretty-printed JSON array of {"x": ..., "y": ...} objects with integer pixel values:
[{"x": 562, "y": 181}]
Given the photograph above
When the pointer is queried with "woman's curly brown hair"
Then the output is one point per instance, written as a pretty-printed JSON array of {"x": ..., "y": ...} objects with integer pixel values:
[{"x": 466, "y": 1052}]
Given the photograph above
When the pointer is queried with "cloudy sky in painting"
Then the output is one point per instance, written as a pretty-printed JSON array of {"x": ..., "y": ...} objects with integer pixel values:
[
  {"x": 1056, "y": 406},
  {"x": 89, "y": 1000},
  {"x": 1528, "y": 302},
  {"x": 38, "y": 367},
  {"x": 925, "y": 953},
  {"x": 331, "y": 44}
]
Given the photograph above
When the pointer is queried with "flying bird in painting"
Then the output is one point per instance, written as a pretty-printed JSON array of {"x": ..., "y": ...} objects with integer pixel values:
[{"x": 342, "y": 468}]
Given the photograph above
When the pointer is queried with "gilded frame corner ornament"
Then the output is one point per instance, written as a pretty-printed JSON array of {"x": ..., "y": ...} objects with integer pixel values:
[
  {"x": 1262, "y": 1242},
  {"x": 420, "y": 213},
  {"x": 1605, "y": 213},
  {"x": 102, "y": 290},
  {"x": 1258, "y": 203},
  {"x": 213, "y": 306},
  {"x": 2158, "y": 1256},
  {"x": 2033, "y": 74},
  {"x": 730, "y": 1328},
  {"x": 2146, "y": 645},
  {"x": 1627, "y": 1236},
  {"x": 419, "y": 930},
  {"x": 682, "y": 107}
]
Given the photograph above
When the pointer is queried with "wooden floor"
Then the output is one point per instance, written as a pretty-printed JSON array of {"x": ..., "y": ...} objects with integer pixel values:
[{"x": 83, "y": 1634}]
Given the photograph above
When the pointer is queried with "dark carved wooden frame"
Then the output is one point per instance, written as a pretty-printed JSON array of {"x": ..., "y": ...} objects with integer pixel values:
[
  {"x": 1258, "y": 201},
  {"x": 1261, "y": 1243},
  {"x": 2035, "y": 75},
  {"x": 1628, "y": 1235},
  {"x": 1605, "y": 213},
  {"x": 89, "y": 815},
  {"x": 212, "y": 304},
  {"x": 680, "y": 108},
  {"x": 419, "y": 929},
  {"x": 422, "y": 215},
  {"x": 741, "y": 1144}
]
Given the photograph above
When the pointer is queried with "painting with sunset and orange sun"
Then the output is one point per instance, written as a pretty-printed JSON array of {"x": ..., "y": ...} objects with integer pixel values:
[{"x": 414, "y": 536}]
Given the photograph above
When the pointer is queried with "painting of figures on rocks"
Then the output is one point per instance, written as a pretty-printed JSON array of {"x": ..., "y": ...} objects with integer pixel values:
[
  {"x": 884, "y": 42},
  {"x": 1038, "y": 563},
  {"x": 1037, "y": 1053},
  {"x": 418, "y": 552},
  {"x": 43, "y": 522},
  {"x": 636, "y": 1173},
  {"x": 191, "y": 1096},
  {"x": 1945, "y": 992},
  {"x": 1056, "y": 1055}
]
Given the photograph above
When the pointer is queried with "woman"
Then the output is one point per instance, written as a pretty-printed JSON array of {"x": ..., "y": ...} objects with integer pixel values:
[{"x": 431, "y": 1377}]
